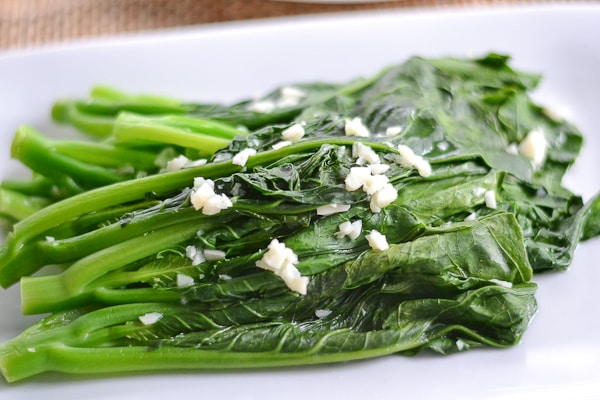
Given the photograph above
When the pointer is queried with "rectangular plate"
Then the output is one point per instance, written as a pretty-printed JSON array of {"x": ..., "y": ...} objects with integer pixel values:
[{"x": 560, "y": 353}]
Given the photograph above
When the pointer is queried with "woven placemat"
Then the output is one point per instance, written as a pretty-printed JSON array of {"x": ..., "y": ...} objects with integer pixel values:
[{"x": 25, "y": 23}]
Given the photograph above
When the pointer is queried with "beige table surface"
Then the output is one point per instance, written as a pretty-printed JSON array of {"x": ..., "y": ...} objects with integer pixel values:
[{"x": 26, "y": 23}]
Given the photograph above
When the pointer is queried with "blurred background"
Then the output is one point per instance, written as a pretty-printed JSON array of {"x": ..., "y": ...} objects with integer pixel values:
[{"x": 26, "y": 23}]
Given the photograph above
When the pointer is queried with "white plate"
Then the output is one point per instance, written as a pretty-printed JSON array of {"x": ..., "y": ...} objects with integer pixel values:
[{"x": 559, "y": 357}]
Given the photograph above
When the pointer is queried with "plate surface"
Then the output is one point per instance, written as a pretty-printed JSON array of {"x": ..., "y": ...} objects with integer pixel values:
[{"x": 559, "y": 356}]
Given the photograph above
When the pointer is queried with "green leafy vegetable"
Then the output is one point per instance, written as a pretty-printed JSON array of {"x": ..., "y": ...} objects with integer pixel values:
[{"x": 322, "y": 223}]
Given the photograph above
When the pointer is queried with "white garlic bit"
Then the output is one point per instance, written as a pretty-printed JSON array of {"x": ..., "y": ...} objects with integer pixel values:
[
  {"x": 409, "y": 159},
  {"x": 534, "y": 147},
  {"x": 393, "y": 131},
  {"x": 490, "y": 199},
  {"x": 241, "y": 158},
  {"x": 375, "y": 183},
  {"x": 364, "y": 154},
  {"x": 383, "y": 198},
  {"x": 184, "y": 280},
  {"x": 293, "y": 133},
  {"x": 356, "y": 178},
  {"x": 262, "y": 107},
  {"x": 150, "y": 318},
  {"x": 177, "y": 163},
  {"x": 355, "y": 127},
  {"x": 377, "y": 241},
  {"x": 333, "y": 208},
  {"x": 282, "y": 261},
  {"x": 350, "y": 229},
  {"x": 204, "y": 198}
]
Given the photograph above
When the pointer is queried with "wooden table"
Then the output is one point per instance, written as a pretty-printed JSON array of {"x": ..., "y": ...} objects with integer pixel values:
[{"x": 26, "y": 23}]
